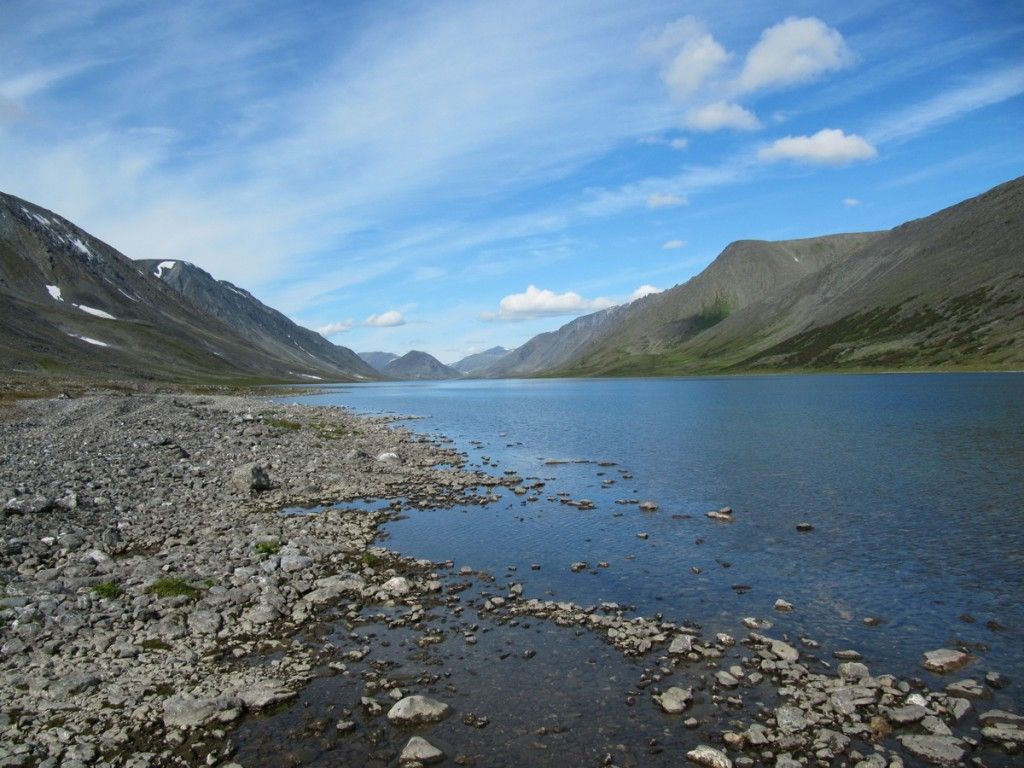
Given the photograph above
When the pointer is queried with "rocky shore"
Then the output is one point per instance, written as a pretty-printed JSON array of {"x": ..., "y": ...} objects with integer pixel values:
[{"x": 155, "y": 597}]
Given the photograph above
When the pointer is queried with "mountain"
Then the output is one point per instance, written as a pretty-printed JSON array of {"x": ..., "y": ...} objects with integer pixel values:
[
  {"x": 378, "y": 360},
  {"x": 419, "y": 365},
  {"x": 475, "y": 363},
  {"x": 72, "y": 306},
  {"x": 549, "y": 351},
  {"x": 944, "y": 291},
  {"x": 267, "y": 328}
]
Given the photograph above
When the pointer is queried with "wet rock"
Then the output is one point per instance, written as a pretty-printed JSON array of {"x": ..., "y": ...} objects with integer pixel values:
[
  {"x": 784, "y": 651},
  {"x": 681, "y": 644},
  {"x": 995, "y": 680},
  {"x": 847, "y": 655},
  {"x": 804, "y": 527},
  {"x": 708, "y": 757},
  {"x": 723, "y": 515},
  {"x": 936, "y": 750},
  {"x": 578, "y": 566},
  {"x": 790, "y": 719},
  {"x": 853, "y": 670},
  {"x": 967, "y": 689},
  {"x": 419, "y": 750},
  {"x": 397, "y": 586},
  {"x": 783, "y": 606},
  {"x": 649, "y": 506},
  {"x": 725, "y": 679},
  {"x": 674, "y": 700},
  {"x": 413, "y": 710},
  {"x": 908, "y": 714},
  {"x": 944, "y": 660},
  {"x": 265, "y": 693}
]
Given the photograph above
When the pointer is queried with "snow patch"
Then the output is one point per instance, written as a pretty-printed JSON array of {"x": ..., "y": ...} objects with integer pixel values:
[
  {"x": 54, "y": 292},
  {"x": 86, "y": 339},
  {"x": 127, "y": 295},
  {"x": 96, "y": 312},
  {"x": 310, "y": 376},
  {"x": 82, "y": 247},
  {"x": 41, "y": 219},
  {"x": 159, "y": 272},
  {"x": 237, "y": 290}
]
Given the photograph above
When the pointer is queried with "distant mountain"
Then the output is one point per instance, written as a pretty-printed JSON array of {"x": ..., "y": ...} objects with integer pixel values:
[
  {"x": 419, "y": 365},
  {"x": 474, "y": 363},
  {"x": 378, "y": 360},
  {"x": 266, "y": 327},
  {"x": 554, "y": 349},
  {"x": 72, "y": 306},
  {"x": 944, "y": 291}
]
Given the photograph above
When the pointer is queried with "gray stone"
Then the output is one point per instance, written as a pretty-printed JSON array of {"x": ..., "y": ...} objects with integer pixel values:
[
  {"x": 397, "y": 586},
  {"x": 936, "y": 750},
  {"x": 205, "y": 622},
  {"x": 790, "y": 719},
  {"x": 419, "y": 750},
  {"x": 784, "y": 651},
  {"x": 967, "y": 689},
  {"x": 251, "y": 478},
  {"x": 944, "y": 660},
  {"x": 417, "y": 709},
  {"x": 30, "y": 504},
  {"x": 186, "y": 712},
  {"x": 680, "y": 644},
  {"x": 911, "y": 713},
  {"x": 674, "y": 700},
  {"x": 265, "y": 693},
  {"x": 853, "y": 670},
  {"x": 709, "y": 757}
]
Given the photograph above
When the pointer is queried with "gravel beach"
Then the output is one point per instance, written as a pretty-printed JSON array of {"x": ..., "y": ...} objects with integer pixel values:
[{"x": 155, "y": 597}]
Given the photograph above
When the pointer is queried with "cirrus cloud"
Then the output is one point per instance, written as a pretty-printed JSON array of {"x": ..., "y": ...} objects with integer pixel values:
[
  {"x": 665, "y": 200},
  {"x": 538, "y": 302},
  {"x": 794, "y": 51},
  {"x": 672, "y": 245},
  {"x": 829, "y": 146}
]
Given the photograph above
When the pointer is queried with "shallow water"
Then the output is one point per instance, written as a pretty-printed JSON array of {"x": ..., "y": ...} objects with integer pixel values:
[{"x": 913, "y": 483}]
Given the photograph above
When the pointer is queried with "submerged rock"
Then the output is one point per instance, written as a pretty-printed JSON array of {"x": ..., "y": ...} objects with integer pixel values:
[
  {"x": 936, "y": 750},
  {"x": 944, "y": 660}
]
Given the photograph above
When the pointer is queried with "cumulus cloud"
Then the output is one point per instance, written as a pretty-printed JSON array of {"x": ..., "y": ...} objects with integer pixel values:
[
  {"x": 693, "y": 55},
  {"x": 851, "y": 202},
  {"x": 663, "y": 200},
  {"x": 672, "y": 245},
  {"x": 385, "y": 319},
  {"x": 722, "y": 114},
  {"x": 334, "y": 329},
  {"x": 644, "y": 290},
  {"x": 794, "y": 51},
  {"x": 537, "y": 302},
  {"x": 829, "y": 146}
]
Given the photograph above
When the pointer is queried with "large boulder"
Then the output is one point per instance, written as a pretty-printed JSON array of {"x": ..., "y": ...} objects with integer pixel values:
[
  {"x": 251, "y": 478},
  {"x": 944, "y": 660},
  {"x": 709, "y": 757},
  {"x": 674, "y": 700},
  {"x": 186, "y": 712}
]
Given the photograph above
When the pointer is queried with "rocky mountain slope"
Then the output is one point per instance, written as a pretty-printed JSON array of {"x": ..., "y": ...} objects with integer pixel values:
[
  {"x": 419, "y": 366},
  {"x": 70, "y": 305},
  {"x": 255, "y": 321},
  {"x": 472, "y": 364},
  {"x": 377, "y": 360},
  {"x": 939, "y": 292}
]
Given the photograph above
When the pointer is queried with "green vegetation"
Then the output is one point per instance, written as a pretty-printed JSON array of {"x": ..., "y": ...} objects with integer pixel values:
[
  {"x": 370, "y": 559},
  {"x": 170, "y": 587},
  {"x": 712, "y": 312},
  {"x": 332, "y": 432},
  {"x": 291, "y": 426},
  {"x": 267, "y": 547},
  {"x": 107, "y": 589}
]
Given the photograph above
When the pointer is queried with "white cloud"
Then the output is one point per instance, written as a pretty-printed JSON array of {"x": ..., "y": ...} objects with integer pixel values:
[
  {"x": 829, "y": 146},
  {"x": 385, "y": 319},
  {"x": 644, "y": 290},
  {"x": 851, "y": 202},
  {"x": 663, "y": 200},
  {"x": 991, "y": 88},
  {"x": 334, "y": 329},
  {"x": 794, "y": 51},
  {"x": 722, "y": 114},
  {"x": 536, "y": 302},
  {"x": 679, "y": 144},
  {"x": 693, "y": 56},
  {"x": 672, "y": 245}
]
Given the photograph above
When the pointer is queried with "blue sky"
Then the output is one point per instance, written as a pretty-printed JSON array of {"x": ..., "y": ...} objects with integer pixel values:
[{"x": 452, "y": 176}]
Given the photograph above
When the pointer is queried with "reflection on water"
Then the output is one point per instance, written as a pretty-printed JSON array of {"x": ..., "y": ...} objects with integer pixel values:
[{"x": 913, "y": 484}]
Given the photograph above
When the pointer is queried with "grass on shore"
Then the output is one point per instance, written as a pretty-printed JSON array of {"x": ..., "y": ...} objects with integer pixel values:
[
  {"x": 171, "y": 587},
  {"x": 107, "y": 589}
]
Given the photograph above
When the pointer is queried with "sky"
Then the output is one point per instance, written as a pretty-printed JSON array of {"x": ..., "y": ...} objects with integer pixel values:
[{"x": 452, "y": 176}]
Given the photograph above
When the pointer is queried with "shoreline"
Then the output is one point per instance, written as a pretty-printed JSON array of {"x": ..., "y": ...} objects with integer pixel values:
[{"x": 153, "y": 594}]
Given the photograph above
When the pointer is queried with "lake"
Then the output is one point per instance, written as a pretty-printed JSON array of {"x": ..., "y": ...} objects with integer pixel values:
[{"x": 914, "y": 485}]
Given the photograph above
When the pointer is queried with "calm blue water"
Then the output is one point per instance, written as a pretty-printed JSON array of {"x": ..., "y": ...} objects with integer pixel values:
[{"x": 914, "y": 483}]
